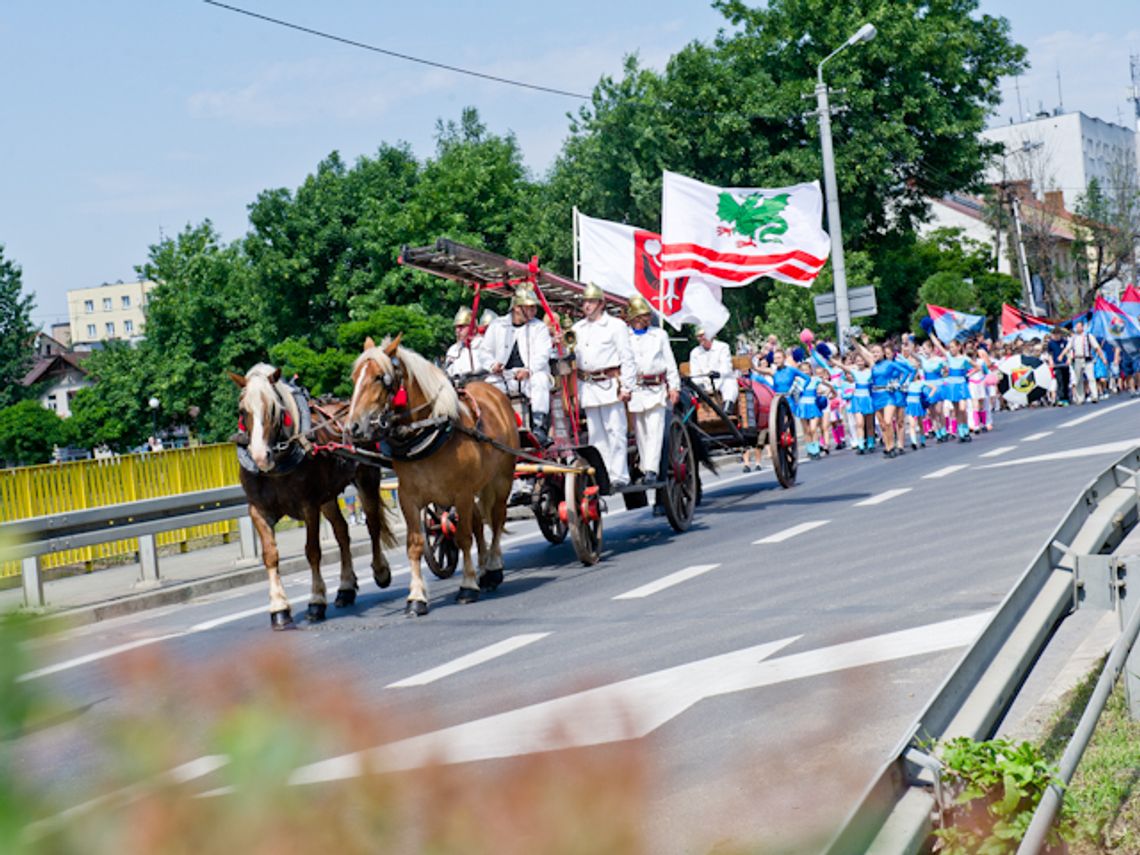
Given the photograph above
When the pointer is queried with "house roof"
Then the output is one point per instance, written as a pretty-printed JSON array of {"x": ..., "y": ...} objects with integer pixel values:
[{"x": 59, "y": 362}]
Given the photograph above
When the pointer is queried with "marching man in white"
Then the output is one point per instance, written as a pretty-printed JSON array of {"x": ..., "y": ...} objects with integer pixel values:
[
  {"x": 658, "y": 384},
  {"x": 713, "y": 356},
  {"x": 521, "y": 345},
  {"x": 463, "y": 357},
  {"x": 607, "y": 375}
]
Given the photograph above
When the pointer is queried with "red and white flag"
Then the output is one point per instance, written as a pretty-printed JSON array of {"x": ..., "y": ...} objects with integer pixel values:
[
  {"x": 735, "y": 235},
  {"x": 626, "y": 260}
]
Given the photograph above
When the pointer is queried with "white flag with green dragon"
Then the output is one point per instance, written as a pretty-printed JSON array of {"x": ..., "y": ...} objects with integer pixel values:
[{"x": 735, "y": 235}]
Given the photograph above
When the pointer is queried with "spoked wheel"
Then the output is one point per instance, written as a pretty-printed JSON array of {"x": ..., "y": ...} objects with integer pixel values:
[
  {"x": 682, "y": 489},
  {"x": 441, "y": 552},
  {"x": 550, "y": 522},
  {"x": 584, "y": 514},
  {"x": 782, "y": 441}
]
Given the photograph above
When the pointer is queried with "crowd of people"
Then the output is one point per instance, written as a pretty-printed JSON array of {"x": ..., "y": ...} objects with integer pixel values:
[{"x": 885, "y": 396}]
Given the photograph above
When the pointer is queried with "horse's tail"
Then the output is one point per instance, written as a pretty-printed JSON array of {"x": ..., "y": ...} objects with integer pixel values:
[{"x": 388, "y": 538}]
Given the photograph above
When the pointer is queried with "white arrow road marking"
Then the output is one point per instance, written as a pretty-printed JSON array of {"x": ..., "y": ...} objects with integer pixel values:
[
  {"x": 1088, "y": 451},
  {"x": 947, "y": 470},
  {"x": 1033, "y": 437},
  {"x": 883, "y": 497},
  {"x": 636, "y": 707},
  {"x": 1099, "y": 412},
  {"x": 998, "y": 452},
  {"x": 667, "y": 582},
  {"x": 491, "y": 651},
  {"x": 788, "y": 533}
]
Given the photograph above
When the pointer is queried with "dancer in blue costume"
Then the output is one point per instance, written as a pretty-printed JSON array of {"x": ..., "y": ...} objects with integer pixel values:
[
  {"x": 917, "y": 397},
  {"x": 933, "y": 366},
  {"x": 808, "y": 411},
  {"x": 861, "y": 407},
  {"x": 886, "y": 376},
  {"x": 956, "y": 389}
]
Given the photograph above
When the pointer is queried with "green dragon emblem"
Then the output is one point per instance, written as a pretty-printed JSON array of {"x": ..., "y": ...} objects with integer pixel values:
[{"x": 755, "y": 218}]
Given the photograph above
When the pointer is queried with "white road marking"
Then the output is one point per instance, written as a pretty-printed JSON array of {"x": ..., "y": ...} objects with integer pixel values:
[
  {"x": 947, "y": 470},
  {"x": 638, "y": 706},
  {"x": 883, "y": 497},
  {"x": 1087, "y": 451},
  {"x": 491, "y": 651},
  {"x": 1100, "y": 411},
  {"x": 998, "y": 452},
  {"x": 1033, "y": 437},
  {"x": 667, "y": 582},
  {"x": 788, "y": 533}
]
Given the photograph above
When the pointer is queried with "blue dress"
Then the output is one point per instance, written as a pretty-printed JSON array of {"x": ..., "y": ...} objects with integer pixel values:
[
  {"x": 807, "y": 407},
  {"x": 899, "y": 394},
  {"x": 956, "y": 388},
  {"x": 932, "y": 370},
  {"x": 783, "y": 379},
  {"x": 886, "y": 376},
  {"x": 915, "y": 405},
  {"x": 861, "y": 403}
]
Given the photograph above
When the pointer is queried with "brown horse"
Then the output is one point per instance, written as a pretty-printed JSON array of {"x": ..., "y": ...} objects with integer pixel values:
[
  {"x": 409, "y": 405},
  {"x": 282, "y": 478}
]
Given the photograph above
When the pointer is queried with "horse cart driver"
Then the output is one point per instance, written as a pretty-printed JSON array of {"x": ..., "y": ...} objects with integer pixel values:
[
  {"x": 463, "y": 357},
  {"x": 517, "y": 351},
  {"x": 710, "y": 366}
]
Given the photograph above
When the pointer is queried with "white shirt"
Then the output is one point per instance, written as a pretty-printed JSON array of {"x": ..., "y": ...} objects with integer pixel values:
[
  {"x": 717, "y": 358},
  {"x": 533, "y": 339},
  {"x": 653, "y": 355},
  {"x": 461, "y": 360},
  {"x": 603, "y": 344}
]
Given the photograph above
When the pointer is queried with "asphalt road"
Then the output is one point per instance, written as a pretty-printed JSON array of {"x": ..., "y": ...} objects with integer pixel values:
[{"x": 766, "y": 681}]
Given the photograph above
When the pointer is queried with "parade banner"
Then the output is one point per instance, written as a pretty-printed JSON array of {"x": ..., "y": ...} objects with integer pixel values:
[
  {"x": 1019, "y": 325},
  {"x": 949, "y": 325},
  {"x": 735, "y": 235},
  {"x": 1110, "y": 324},
  {"x": 626, "y": 260},
  {"x": 1130, "y": 301}
]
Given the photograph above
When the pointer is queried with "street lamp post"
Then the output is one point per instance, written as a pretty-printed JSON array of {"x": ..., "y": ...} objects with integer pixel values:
[
  {"x": 154, "y": 404},
  {"x": 838, "y": 266}
]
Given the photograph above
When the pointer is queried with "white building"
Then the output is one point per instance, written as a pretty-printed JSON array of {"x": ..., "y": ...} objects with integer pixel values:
[
  {"x": 108, "y": 312},
  {"x": 967, "y": 213},
  {"x": 1061, "y": 152}
]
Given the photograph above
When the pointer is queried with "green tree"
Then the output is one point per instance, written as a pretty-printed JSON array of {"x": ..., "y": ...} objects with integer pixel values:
[
  {"x": 1109, "y": 227},
  {"x": 28, "y": 432},
  {"x": 114, "y": 410},
  {"x": 16, "y": 331},
  {"x": 946, "y": 288}
]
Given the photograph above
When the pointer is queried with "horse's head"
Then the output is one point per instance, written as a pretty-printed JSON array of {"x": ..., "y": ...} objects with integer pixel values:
[
  {"x": 377, "y": 388},
  {"x": 265, "y": 416}
]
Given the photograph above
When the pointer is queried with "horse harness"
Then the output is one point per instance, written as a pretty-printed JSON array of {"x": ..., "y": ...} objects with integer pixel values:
[{"x": 288, "y": 453}]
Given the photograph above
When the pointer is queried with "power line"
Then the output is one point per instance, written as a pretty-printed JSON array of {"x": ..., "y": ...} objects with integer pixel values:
[{"x": 397, "y": 55}]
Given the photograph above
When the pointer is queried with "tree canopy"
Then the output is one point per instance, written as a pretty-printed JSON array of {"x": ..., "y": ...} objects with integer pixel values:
[{"x": 16, "y": 331}]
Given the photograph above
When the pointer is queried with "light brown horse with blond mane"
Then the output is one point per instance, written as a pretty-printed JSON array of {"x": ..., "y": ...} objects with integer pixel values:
[{"x": 409, "y": 406}]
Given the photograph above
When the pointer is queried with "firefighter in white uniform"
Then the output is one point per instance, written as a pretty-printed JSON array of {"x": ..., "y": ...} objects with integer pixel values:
[
  {"x": 658, "y": 384},
  {"x": 712, "y": 356},
  {"x": 607, "y": 375},
  {"x": 462, "y": 357},
  {"x": 521, "y": 344}
]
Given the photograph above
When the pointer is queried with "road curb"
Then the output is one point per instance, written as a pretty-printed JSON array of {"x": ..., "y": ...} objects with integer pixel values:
[{"x": 169, "y": 594}]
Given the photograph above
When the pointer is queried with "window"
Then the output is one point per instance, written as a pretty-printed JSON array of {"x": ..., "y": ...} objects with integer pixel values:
[
  {"x": 51, "y": 404},
  {"x": 128, "y": 326},
  {"x": 91, "y": 331},
  {"x": 126, "y": 301},
  {"x": 89, "y": 305},
  {"x": 106, "y": 304},
  {"x": 109, "y": 327}
]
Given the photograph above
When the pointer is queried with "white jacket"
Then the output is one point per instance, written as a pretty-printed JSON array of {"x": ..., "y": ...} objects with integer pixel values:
[
  {"x": 533, "y": 339},
  {"x": 717, "y": 358},
  {"x": 460, "y": 361},
  {"x": 603, "y": 344},
  {"x": 653, "y": 355}
]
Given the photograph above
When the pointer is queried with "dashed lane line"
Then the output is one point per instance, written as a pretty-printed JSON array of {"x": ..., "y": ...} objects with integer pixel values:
[
  {"x": 486, "y": 654},
  {"x": 947, "y": 470},
  {"x": 998, "y": 452},
  {"x": 667, "y": 582},
  {"x": 883, "y": 497},
  {"x": 1080, "y": 420},
  {"x": 1033, "y": 437},
  {"x": 788, "y": 533}
]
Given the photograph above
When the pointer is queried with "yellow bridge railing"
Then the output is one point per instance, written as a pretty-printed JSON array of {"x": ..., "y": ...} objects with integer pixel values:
[{"x": 33, "y": 491}]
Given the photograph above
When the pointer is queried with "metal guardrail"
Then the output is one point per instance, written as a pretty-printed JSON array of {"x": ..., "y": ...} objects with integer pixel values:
[{"x": 895, "y": 812}]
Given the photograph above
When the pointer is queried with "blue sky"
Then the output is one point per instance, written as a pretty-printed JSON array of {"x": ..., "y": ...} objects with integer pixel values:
[{"x": 127, "y": 119}]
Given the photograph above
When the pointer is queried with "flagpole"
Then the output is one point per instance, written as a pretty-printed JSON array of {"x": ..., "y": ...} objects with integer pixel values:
[{"x": 577, "y": 271}]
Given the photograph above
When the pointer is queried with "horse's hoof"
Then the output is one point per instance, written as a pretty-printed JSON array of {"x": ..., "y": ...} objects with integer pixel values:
[
  {"x": 281, "y": 620},
  {"x": 316, "y": 612},
  {"x": 383, "y": 578},
  {"x": 466, "y": 595},
  {"x": 415, "y": 608},
  {"x": 491, "y": 580},
  {"x": 345, "y": 598}
]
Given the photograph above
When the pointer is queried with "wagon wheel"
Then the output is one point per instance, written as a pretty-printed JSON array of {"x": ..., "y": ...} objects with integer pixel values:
[
  {"x": 682, "y": 488},
  {"x": 782, "y": 441},
  {"x": 584, "y": 514},
  {"x": 550, "y": 522},
  {"x": 441, "y": 552}
]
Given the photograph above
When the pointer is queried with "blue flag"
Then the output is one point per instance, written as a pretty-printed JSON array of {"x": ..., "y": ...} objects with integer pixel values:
[{"x": 949, "y": 325}]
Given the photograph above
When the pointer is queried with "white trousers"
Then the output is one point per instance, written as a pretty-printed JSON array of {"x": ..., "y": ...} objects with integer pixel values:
[
  {"x": 649, "y": 425},
  {"x": 606, "y": 428},
  {"x": 536, "y": 388}
]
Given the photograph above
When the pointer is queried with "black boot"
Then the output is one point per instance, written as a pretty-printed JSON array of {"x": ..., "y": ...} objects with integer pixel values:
[{"x": 540, "y": 427}]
